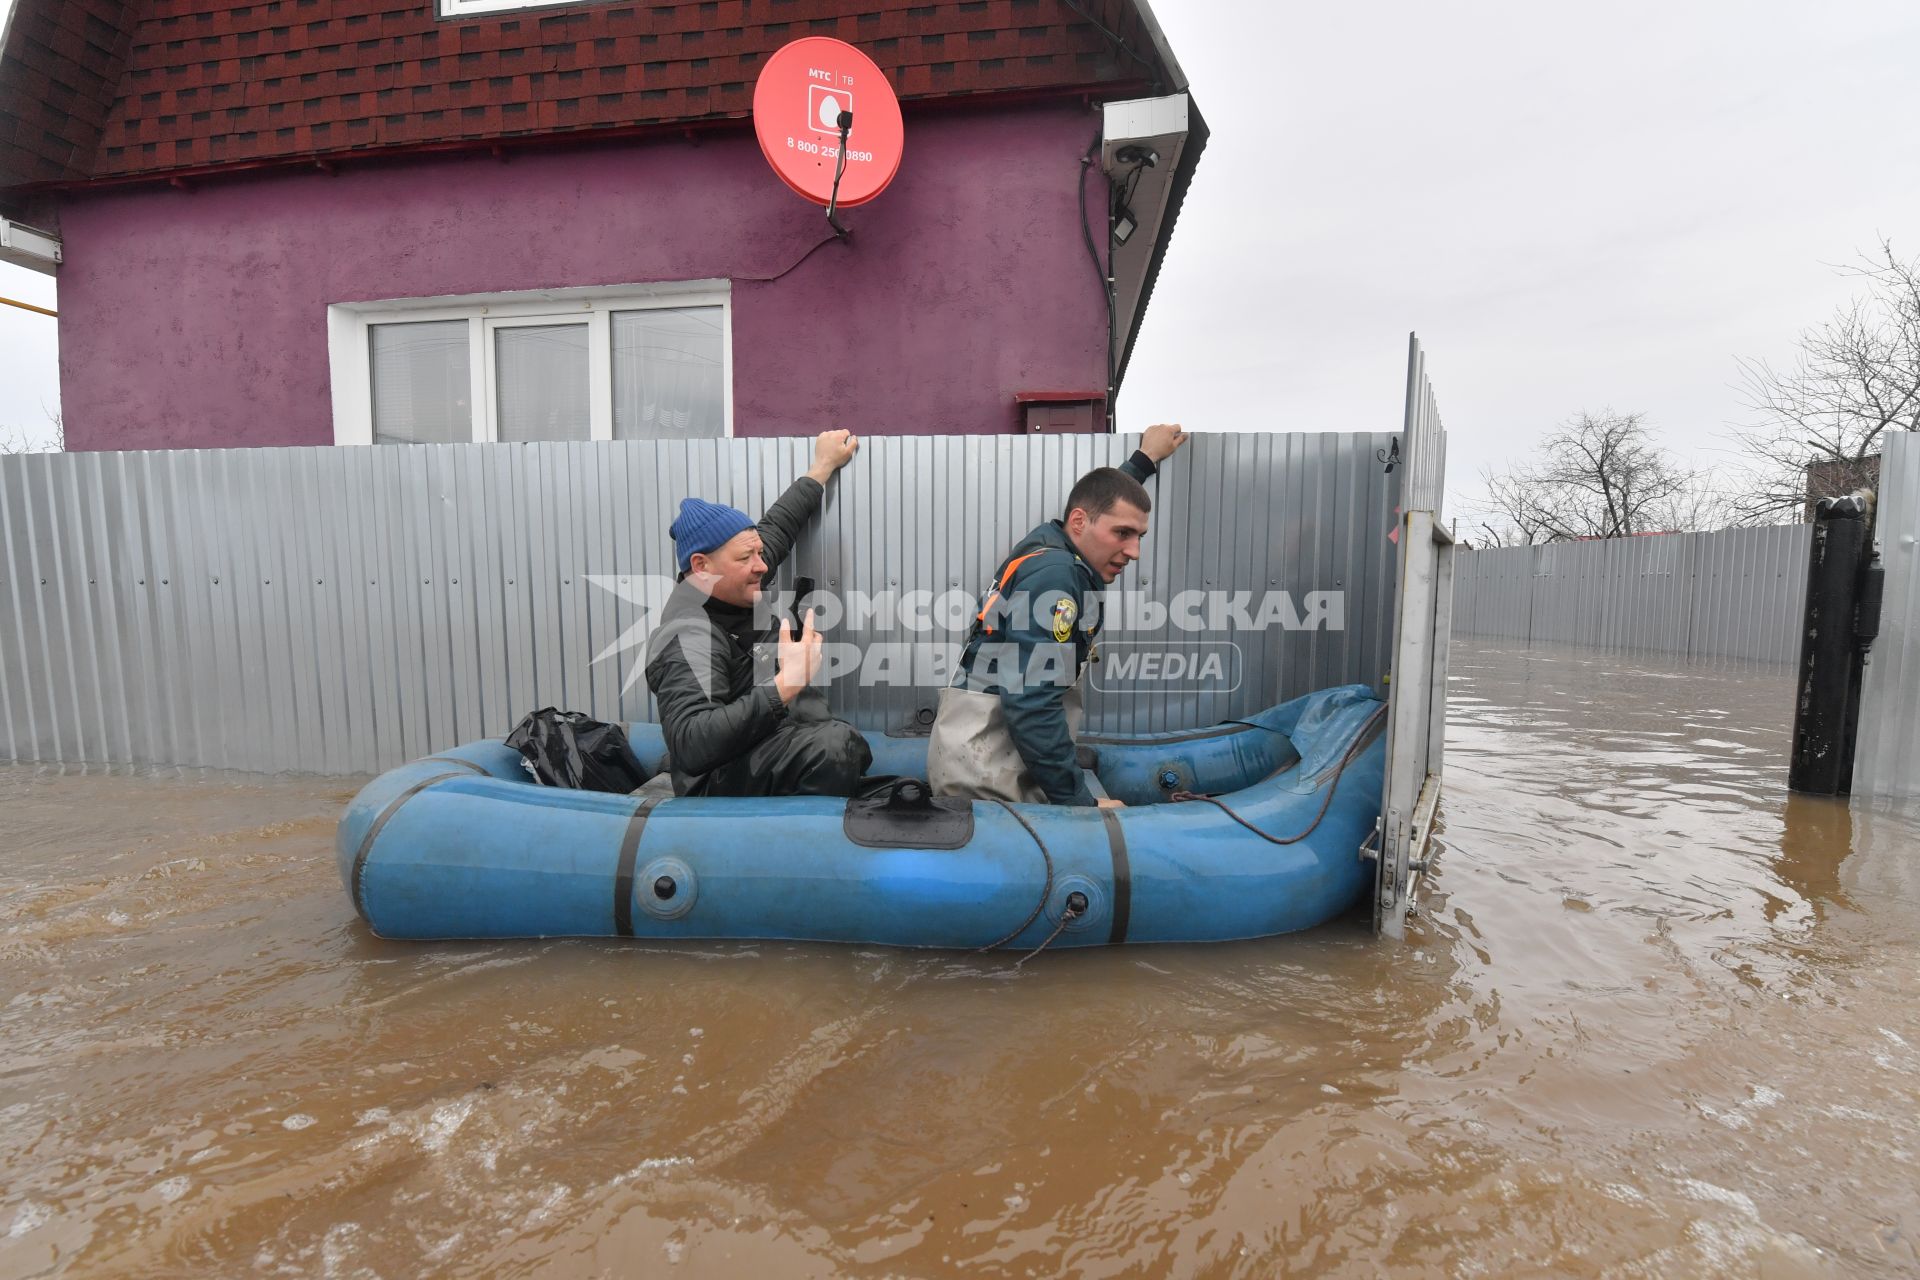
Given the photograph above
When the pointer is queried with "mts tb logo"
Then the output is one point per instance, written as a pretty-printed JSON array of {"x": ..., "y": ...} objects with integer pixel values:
[{"x": 824, "y": 105}]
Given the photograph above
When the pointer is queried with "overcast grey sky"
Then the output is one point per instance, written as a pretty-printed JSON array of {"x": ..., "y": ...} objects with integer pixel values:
[{"x": 1574, "y": 208}]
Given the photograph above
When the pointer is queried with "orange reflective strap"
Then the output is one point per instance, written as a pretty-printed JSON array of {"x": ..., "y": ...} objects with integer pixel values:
[{"x": 1000, "y": 584}]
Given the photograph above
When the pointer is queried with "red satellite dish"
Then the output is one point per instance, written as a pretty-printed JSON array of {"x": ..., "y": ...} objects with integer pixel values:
[{"x": 796, "y": 107}]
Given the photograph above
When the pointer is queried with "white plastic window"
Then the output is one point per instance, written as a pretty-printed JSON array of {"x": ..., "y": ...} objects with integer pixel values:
[
  {"x": 619, "y": 363},
  {"x": 540, "y": 382},
  {"x": 471, "y": 8},
  {"x": 421, "y": 383},
  {"x": 667, "y": 382}
]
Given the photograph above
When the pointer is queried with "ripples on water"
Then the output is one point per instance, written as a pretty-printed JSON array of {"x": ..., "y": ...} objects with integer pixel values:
[{"x": 1654, "y": 1018}]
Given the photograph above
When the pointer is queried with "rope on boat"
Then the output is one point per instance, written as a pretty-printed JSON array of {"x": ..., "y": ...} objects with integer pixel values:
[
  {"x": 1360, "y": 742},
  {"x": 1045, "y": 893},
  {"x": 1067, "y": 916},
  {"x": 1076, "y": 902},
  {"x": 1071, "y": 913}
]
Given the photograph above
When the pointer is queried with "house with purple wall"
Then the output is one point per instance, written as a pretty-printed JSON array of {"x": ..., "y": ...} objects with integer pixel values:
[{"x": 308, "y": 222}]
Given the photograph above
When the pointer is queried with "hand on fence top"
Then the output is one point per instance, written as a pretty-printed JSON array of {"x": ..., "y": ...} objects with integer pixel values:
[
  {"x": 1162, "y": 440},
  {"x": 832, "y": 450}
]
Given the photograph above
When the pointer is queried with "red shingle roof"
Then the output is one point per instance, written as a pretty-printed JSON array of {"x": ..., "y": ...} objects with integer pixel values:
[
  {"x": 196, "y": 84},
  {"x": 59, "y": 76}
]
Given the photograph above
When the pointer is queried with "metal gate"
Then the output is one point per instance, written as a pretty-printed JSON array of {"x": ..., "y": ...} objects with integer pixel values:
[
  {"x": 1886, "y": 760},
  {"x": 1422, "y": 627}
]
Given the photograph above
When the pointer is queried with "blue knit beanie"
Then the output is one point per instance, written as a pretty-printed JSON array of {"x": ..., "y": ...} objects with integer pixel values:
[{"x": 704, "y": 526}]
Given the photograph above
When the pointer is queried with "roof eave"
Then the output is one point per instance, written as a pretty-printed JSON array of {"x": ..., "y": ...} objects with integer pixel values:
[
  {"x": 1197, "y": 134},
  {"x": 1176, "y": 75},
  {"x": 689, "y": 127}
]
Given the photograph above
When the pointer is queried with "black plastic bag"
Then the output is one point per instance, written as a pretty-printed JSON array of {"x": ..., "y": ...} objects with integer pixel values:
[{"x": 568, "y": 749}]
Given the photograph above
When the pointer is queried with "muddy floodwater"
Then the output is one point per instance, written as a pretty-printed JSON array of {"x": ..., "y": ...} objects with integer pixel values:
[{"x": 1654, "y": 1018}]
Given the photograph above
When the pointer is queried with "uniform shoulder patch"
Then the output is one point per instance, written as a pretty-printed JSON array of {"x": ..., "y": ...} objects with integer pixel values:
[{"x": 1063, "y": 614}]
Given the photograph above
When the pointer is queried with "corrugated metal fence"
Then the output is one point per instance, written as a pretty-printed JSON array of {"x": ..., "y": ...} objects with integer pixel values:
[
  {"x": 1735, "y": 593},
  {"x": 342, "y": 610},
  {"x": 1886, "y": 761}
]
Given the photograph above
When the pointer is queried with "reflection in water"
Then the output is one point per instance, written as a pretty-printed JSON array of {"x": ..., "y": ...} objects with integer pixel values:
[
  {"x": 1815, "y": 839},
  {"x": 1654, "y": 1018}
]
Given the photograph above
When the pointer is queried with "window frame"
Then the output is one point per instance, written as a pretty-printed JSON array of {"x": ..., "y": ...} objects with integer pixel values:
[
  {"x": 451, "y": 9},
  {"x": 599, "y": 362},
  {"x": 351, "y": 366}
]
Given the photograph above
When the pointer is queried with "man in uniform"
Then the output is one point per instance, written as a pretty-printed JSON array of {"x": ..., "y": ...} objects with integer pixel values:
[
  {"x": 736, "y": 722},
  {"x": 1006, "y": 728}
]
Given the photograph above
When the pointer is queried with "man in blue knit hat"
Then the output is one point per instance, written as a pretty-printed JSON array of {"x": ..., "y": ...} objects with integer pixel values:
[{"x": 734, "y": 695}]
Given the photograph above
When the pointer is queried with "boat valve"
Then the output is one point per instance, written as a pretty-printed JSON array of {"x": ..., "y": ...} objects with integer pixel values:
[
  {"x": 1169, "y": 779},
  {"x": 1076, "y": 904},
  {"x": 675, "y": 886}
]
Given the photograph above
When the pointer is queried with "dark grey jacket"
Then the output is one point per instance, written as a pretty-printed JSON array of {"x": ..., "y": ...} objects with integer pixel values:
[{"x": 716, "y": 701}]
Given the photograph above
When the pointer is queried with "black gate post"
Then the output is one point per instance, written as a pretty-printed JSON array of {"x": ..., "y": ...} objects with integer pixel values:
[{"x": 1826, "y": 705}]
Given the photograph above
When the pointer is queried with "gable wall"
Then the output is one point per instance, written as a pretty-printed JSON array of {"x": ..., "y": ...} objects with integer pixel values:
[{"x": 197, "y": 318}]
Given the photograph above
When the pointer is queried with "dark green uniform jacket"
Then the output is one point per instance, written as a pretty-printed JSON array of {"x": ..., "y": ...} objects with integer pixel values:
[{"x": 1041, "y": 626}]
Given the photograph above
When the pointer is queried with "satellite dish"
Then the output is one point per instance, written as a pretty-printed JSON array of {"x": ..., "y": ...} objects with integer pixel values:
[{"x": 803, "y": 93}]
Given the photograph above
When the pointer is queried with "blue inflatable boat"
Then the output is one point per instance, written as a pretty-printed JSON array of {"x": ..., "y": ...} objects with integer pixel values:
[{"x": 466, "y": 845}]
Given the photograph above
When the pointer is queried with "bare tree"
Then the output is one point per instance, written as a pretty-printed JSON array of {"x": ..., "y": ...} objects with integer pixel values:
[
  {"x": 1493, "y": 531},
  {"x": 1856, "y": 377},
  {"x": 1597, "y": 476},
  {"x": 14, "y": 440}
]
